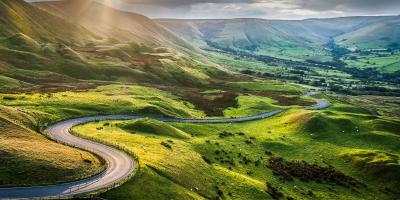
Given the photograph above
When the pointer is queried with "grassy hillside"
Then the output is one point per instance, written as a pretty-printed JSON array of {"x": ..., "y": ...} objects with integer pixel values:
[
  {"x": 281, "y": 38},
  {"x": 68, "y": 59},
  {"x": 28, "y": 158},
  {"x": 115, "y": 24},
  {"x": 380, "y": 35},
  {"x": 24, "y": 114},
  {"x": 261, "y": 36},
  {"x": 111, "y": 99},
  {"x": 314, "y": 52},
  {"x": 17, "y": 16},
  {"x": 366, "y": 47},
  {"x": 42, "y": 51}
]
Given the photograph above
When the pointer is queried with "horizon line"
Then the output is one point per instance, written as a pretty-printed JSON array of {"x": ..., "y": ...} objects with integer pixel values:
[{"x": 260, "y": 18}]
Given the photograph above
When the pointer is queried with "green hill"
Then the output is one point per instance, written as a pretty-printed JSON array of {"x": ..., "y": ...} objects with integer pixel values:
[
  {"x": 49, "y": 52},
  {"x": 258, "y": 33},
  {"x": 285, "y": 38},
  {"x": 111, "y": 23},
  {"x": 247, "y": 34},
  {"x": 379, "y": 35},
  {"x": 154, "y": 127},
  {"x": 29, "y": 158},
  {"x": 17, "y": 16}
]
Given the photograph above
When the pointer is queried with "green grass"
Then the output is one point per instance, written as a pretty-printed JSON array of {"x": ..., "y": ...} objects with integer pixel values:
[
  {"x": 269, "y": 86},
  {"x": 112, "y": 99},
  {"x": 10, "y": 83},
  {"x": 384, "y": 62},
  {"x": 299, "y": 53},
  {"x": 251, "y": 105},
  {"x": 47, "y": 108},
  {"x": 30, "y": 159},
  {"x": 153, "y": 127},
  {"x": 242, "y": 64},
  {"x": 197, "y": 167}
]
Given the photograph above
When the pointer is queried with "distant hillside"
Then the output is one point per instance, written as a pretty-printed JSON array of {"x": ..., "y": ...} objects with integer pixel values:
[
  {"x": 244, "y": 33},
  {"x": 111, "y": 23},
  {"x": 268, "y": 36},
  {"x": 382, "y": 34}
]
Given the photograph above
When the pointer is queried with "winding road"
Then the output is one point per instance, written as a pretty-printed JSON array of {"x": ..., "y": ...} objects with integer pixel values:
[{"x": 120, "y": 166}]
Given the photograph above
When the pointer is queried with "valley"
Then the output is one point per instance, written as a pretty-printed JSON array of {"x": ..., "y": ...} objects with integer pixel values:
[{"x": 240, "y": 108}]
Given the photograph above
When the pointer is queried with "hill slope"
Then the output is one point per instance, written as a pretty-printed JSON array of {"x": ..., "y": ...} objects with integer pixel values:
[
  {"x": 382, "y": 34},
  {"x": 42, "y": 50},
  {"x": 111, "y": 23},
  {"x": 270, "y": 37},
  {"x": 16, "y": 16}
]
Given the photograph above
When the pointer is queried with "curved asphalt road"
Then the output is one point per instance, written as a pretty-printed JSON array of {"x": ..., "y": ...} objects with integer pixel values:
[{"x": 119, "y": 164}]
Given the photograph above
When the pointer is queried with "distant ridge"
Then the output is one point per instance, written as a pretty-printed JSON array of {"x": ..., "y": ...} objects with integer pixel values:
[
  {"x": 260, "y": 34},
  {"x": 116, "y": 24}
]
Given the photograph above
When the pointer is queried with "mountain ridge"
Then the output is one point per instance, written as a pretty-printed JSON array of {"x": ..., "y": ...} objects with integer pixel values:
[
  {"x": 295, "y": 32},
  {"x": 116, "y": 24}
]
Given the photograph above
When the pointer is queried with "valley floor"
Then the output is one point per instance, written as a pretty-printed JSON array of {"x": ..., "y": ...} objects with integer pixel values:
[{"x": 346, "y": 151}]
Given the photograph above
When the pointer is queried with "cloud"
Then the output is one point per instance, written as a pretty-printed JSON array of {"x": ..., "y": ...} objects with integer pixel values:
[
  {"x": 273, "y": 9},
  {"x": 349, "y": 5},
  {"x": 171, "y": 3}
]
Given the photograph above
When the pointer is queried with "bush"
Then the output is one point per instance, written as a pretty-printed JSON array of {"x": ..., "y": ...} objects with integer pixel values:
[
  {"x": 9, "y": 98},
  {"x": 273, "y": 191},
  {"x": 208, "y": 161},
  {"x": 288, "y": 170},
  {"x": 167, "y": 145}
]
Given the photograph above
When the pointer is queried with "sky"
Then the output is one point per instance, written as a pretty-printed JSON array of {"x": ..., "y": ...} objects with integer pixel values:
[{"x": 267, "y": 9}]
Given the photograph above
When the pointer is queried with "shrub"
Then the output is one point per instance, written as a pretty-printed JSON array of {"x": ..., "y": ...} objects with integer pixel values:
[
  {"x": 288, "y": 170},
  {"x": 167, "y": 145},
  {"x": 208, "y": 161},
  {"x": 273, "y": 191},
  {"x": 9, "y": 98}
]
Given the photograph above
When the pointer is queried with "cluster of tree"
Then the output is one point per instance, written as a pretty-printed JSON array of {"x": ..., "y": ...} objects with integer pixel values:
[
  {"x": 364, "y": 90},
  {"x": 337, "y": 51}
]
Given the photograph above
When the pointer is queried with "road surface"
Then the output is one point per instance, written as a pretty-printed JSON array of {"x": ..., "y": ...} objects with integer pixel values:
[{"x": 120, "y": 166}]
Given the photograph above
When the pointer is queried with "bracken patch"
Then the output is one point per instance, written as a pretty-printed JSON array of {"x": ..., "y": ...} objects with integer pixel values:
[{"x": 288, "y": 170}]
